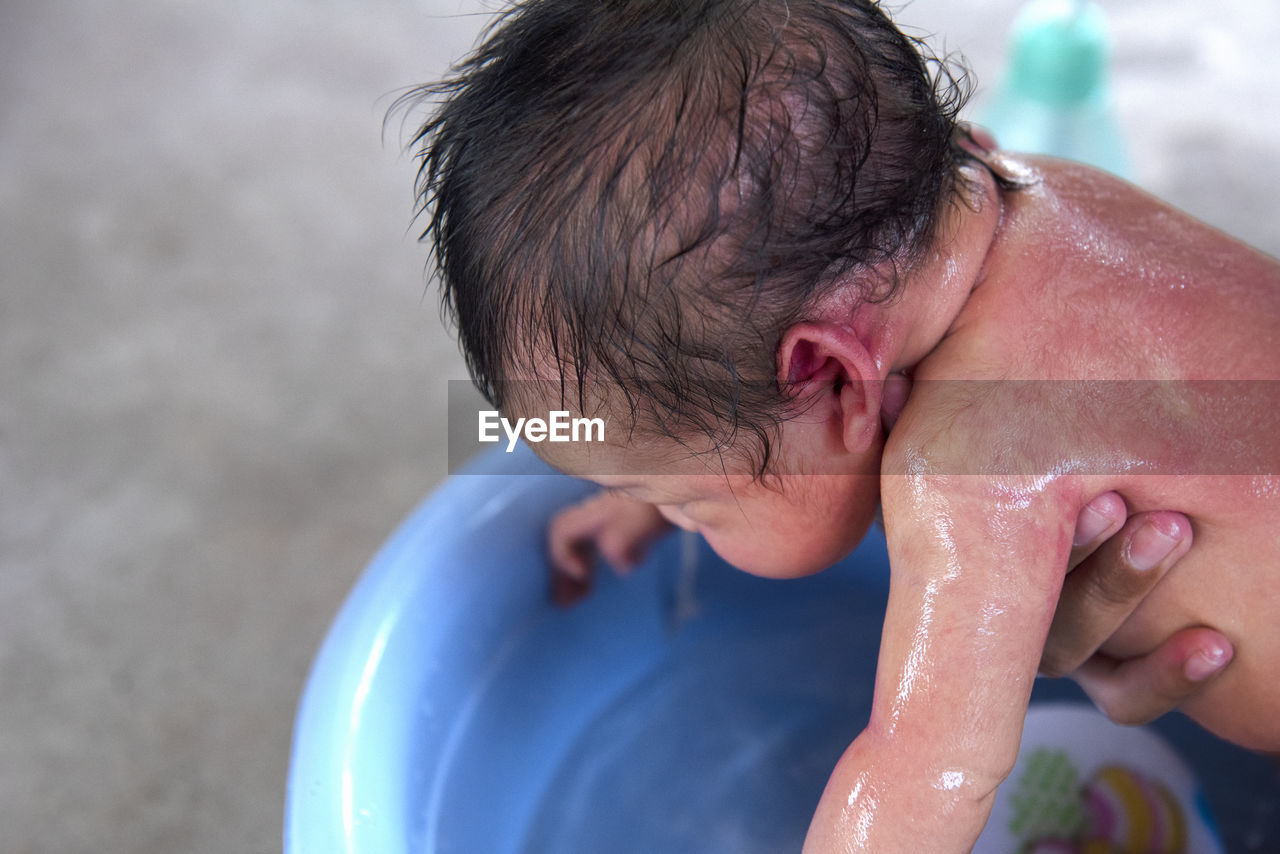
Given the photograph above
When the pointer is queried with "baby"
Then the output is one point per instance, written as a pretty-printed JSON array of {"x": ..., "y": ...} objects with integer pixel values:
[{"x": 725, "y": 224}]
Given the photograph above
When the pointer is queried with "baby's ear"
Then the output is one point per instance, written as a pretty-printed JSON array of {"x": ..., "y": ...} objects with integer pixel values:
[{"x": 827, "y": 370}]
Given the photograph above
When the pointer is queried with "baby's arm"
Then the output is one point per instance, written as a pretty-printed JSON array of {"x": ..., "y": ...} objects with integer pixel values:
[{"x": 977, "y": 564}]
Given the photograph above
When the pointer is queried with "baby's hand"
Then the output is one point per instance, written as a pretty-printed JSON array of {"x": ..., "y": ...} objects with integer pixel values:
[{"x": 607, "y": 526}]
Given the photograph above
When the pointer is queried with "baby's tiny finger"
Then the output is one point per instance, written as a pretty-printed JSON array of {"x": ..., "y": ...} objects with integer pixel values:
[
  {"x": 571, "y": 554},
  {"x": 572, "y": 560},
  {"x": 565, "y": 547},
  {"x": 567, "y": 590},
  {"x": 619, "y": 548}
]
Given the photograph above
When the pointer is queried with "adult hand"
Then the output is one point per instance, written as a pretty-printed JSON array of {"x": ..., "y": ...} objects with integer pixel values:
[{"x": 1117, "y": 560}]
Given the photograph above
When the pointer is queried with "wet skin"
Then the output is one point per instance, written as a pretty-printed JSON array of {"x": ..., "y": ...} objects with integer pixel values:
[
  {"x": 1081, "y": 280},
  {"x": 1086, "y": 279}
]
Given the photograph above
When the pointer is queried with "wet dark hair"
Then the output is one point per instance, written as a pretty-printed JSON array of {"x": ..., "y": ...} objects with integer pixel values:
[{"x": 645, "y": 194}]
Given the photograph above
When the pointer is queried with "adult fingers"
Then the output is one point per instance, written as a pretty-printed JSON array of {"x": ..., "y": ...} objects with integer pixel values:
[
  {"x": 1136, "y": 691},
  {"x": 1100, "y": 519},
  {"x": 1109, "y": 584}
]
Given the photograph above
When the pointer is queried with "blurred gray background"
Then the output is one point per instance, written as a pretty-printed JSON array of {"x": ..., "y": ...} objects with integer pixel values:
[{"x": 222, "y": 376}]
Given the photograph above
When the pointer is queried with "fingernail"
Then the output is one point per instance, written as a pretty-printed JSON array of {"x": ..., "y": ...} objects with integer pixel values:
[
  {"x": 1150, "y": 545},
  {"x": 1089, "y": 526},
  {"x": 1205, "y": 663}
]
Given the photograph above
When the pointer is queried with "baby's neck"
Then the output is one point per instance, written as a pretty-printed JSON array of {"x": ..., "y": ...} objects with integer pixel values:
[{"x": 936, "y": 291}]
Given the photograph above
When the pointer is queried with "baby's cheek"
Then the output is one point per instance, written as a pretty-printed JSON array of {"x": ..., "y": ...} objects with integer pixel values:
[
  {"x": 767, "y": 557},
  {"x": 740, "y": 552},
  {"x": 790, "y": 540}
]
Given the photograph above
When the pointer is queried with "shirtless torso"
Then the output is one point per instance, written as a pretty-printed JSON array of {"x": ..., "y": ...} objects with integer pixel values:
[
  {"x": 1111, "y": 343},
  {"x": 1105, "y": 291}
]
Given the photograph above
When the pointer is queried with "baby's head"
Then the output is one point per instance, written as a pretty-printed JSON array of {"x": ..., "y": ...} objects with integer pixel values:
[{"x": 636, "y": 200}]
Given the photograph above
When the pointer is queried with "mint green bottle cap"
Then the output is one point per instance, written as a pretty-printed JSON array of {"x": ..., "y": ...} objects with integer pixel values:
[{"x": 1059, "y": 52}]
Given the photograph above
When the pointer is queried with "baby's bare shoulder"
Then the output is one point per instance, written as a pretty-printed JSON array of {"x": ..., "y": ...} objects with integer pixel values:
[
  {"x": 1092, "y": 278},
  {"x": 1109, "y": 328}
]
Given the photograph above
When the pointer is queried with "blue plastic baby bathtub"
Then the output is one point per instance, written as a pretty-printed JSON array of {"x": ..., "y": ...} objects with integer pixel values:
[{"x": 685, "y": 708}]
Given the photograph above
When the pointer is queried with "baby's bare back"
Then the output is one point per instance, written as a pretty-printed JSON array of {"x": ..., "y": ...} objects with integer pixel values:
[{"x": 1117, "y": 339}]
